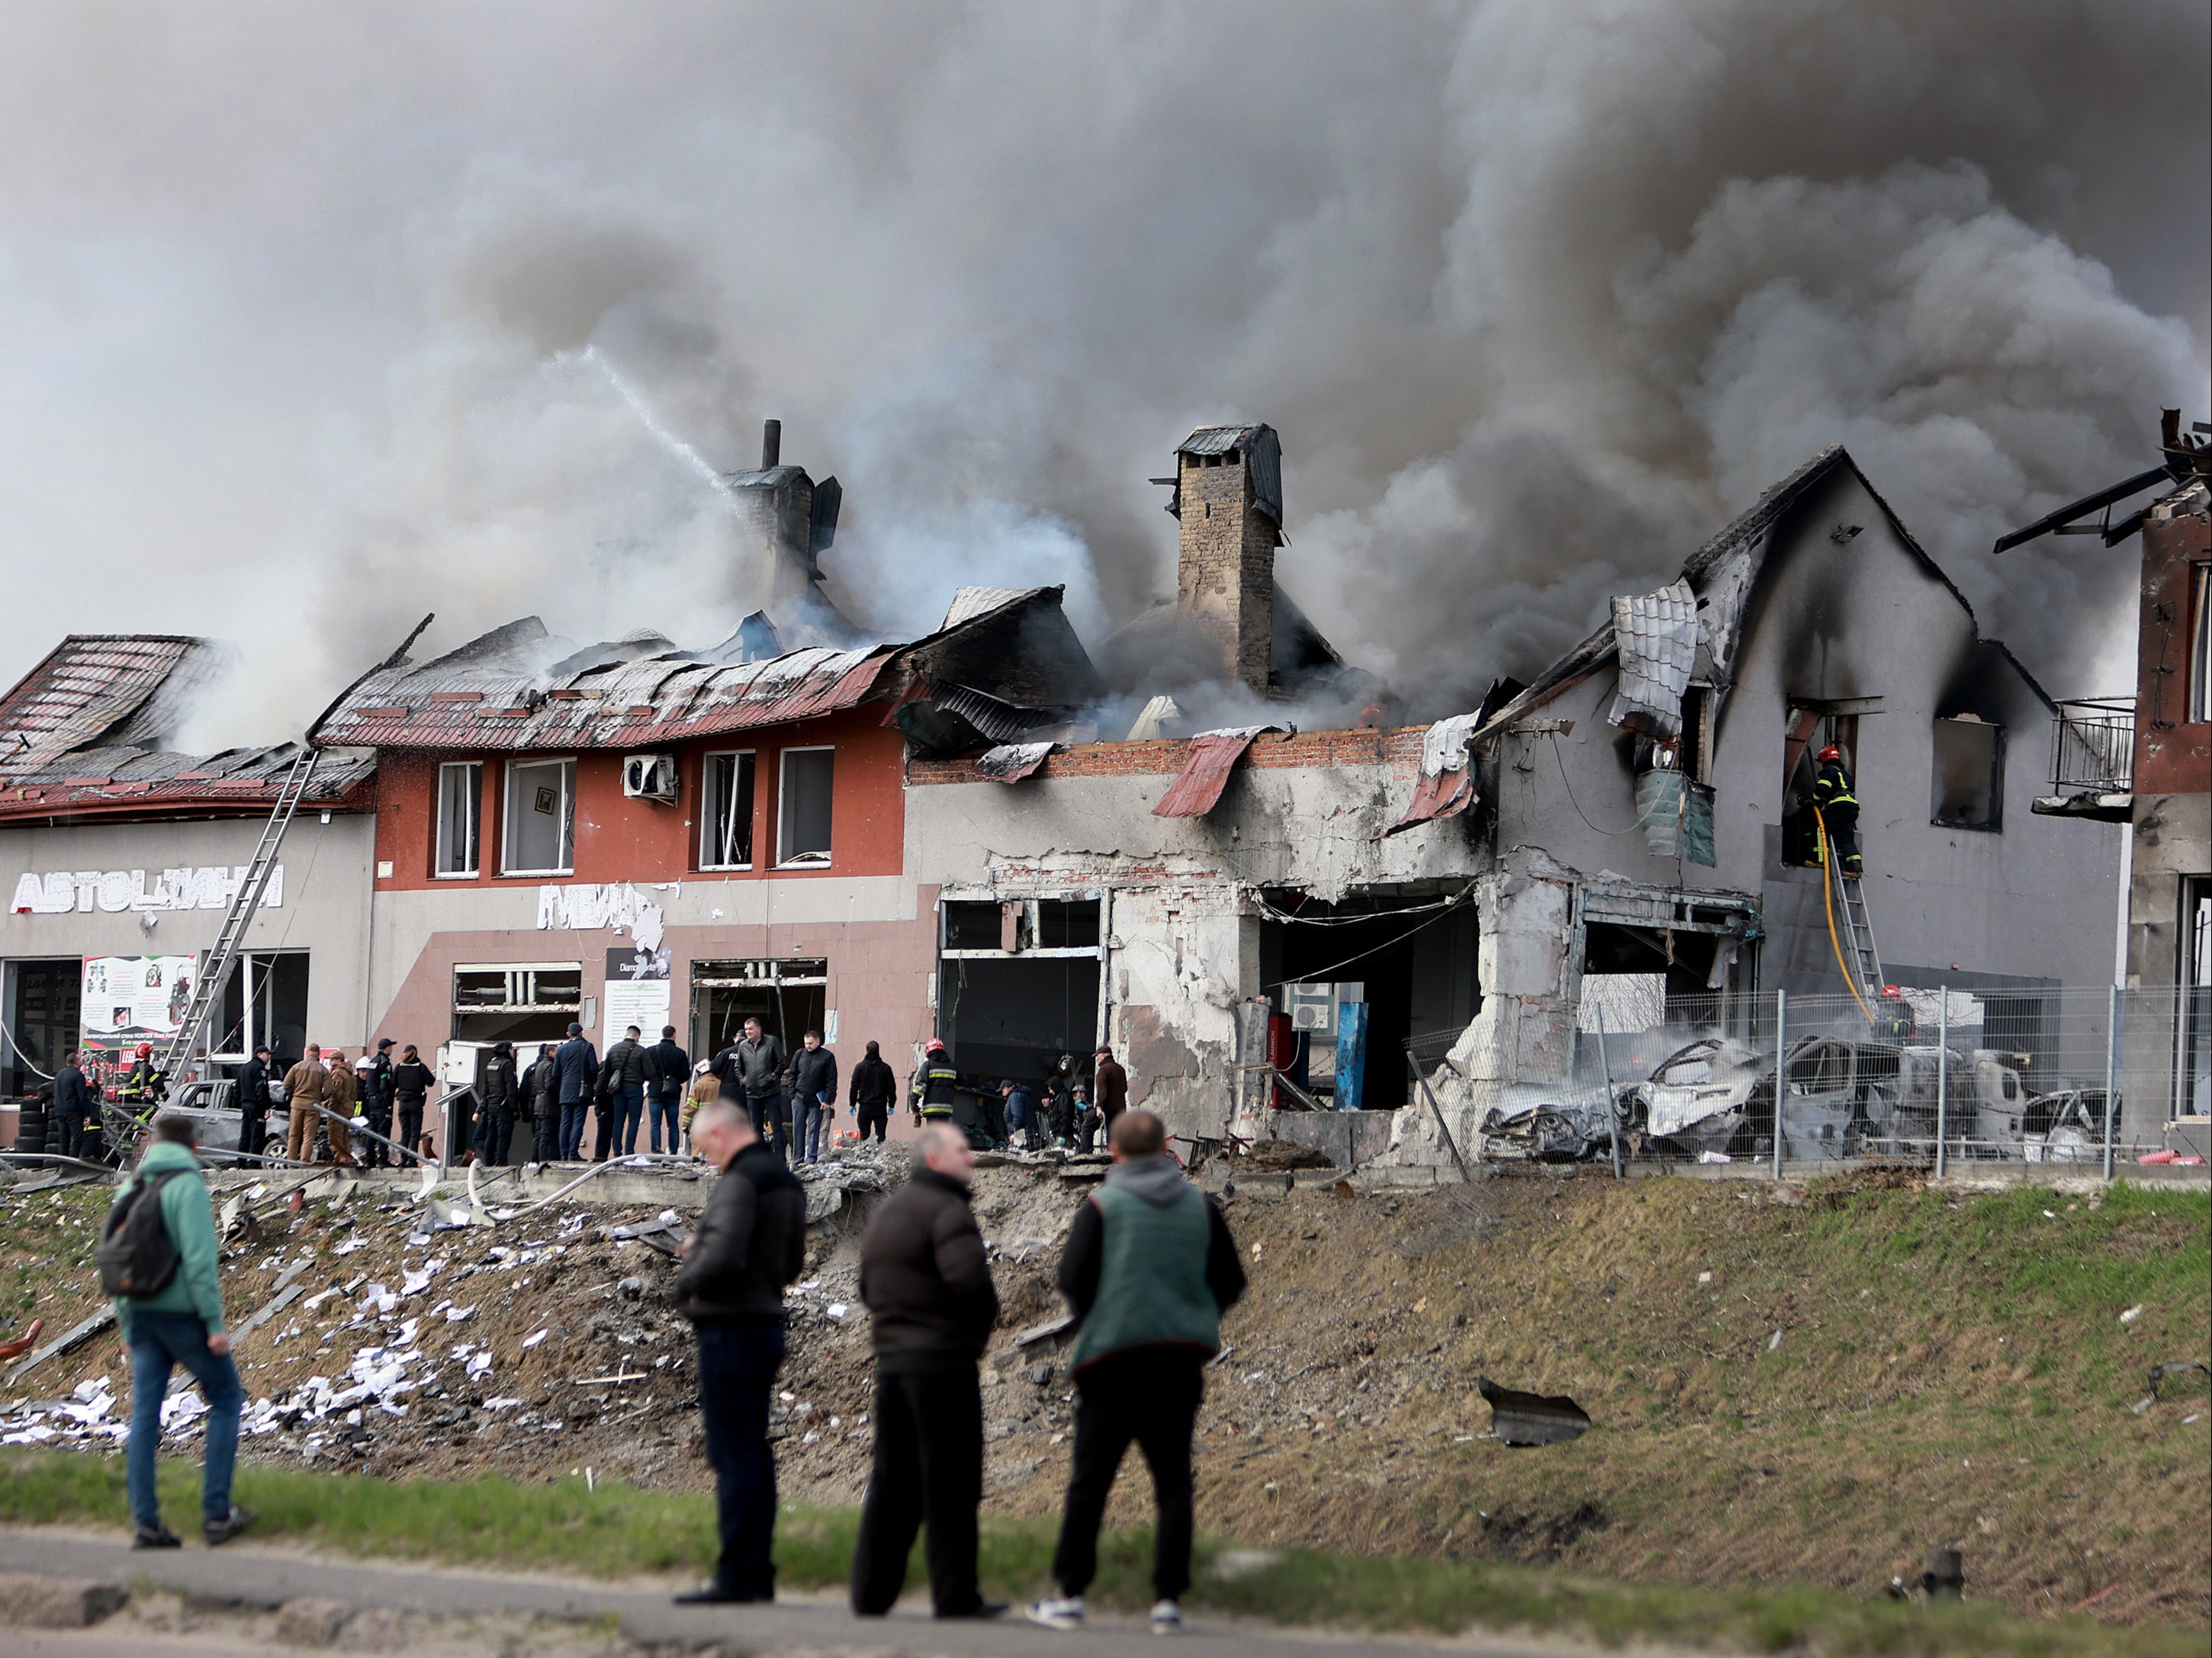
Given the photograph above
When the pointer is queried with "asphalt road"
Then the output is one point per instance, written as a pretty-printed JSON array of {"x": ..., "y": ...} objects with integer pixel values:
[{"x": 266, "y": 1577}]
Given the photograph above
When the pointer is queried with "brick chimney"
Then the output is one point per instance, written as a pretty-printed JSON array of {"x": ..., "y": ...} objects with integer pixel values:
[{"x": 1229, "y": 500}]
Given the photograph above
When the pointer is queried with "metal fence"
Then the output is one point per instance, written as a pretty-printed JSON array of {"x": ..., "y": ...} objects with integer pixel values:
[
  {"x": 2085, "y": 1078},
  {"x": 2093, "y": 746}
]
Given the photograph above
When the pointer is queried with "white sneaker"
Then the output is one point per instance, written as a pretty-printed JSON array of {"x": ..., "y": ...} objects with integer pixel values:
[
  {"x": 1062, "y": 1612},
  {"x": 1167, "y": 1618}
]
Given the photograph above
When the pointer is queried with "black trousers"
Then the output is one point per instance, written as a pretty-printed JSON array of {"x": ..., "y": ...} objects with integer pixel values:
[
  {"x": 1843, "y": 826},
  {"x": 928, "y": 1471},
  {"x": 545, "y": 1130},
  {"x": 410, "y": 1128},
  {"x": 767, "y": 1112},
  {"x": 74, "y": 1136},
  {"x": 495, "y": 1133},
  {"x": 872, "y": 1118},
  {"x": 737, "y": 1376},
  {"x": 1149, "y": 1394},
  {"x": 376, "y": 1154},
  {"x": 252, "y": 1130}
]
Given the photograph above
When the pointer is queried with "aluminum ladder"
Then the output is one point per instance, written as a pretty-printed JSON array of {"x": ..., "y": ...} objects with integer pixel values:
[
  {"x": 1858, "y": 934},
  {"x": 214, "y": 971}
]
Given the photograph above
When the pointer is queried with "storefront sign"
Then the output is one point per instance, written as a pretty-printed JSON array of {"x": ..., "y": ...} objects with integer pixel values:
[{"x": 119, "y": 891}]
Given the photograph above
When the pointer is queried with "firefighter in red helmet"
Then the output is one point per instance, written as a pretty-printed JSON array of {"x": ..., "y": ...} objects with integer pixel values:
[
  {"x": 936, "y": 1085},
  {"x": 145, "y": 1087},
  {"x": 1838, "y": 806}
]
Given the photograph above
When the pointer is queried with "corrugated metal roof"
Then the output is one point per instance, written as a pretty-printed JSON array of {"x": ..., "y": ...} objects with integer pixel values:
[
  {"x": 1656, "y": 635},
  {"x": 1010, "y": 763},
  {"x": 94, "y": 688},
  {"x": 969, "y": 602},
  {"x": 1213, "y": 754},
  {"x": 1265, "y": 450}
]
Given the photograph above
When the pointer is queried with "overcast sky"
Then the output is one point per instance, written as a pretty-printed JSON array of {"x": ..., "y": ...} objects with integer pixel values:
[{"x": 298, "y": 304}]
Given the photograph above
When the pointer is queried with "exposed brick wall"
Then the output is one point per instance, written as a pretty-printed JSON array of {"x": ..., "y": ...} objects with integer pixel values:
[
  {"x": 2173, "y": 755},
  {"x": 1226, "y": 576},
  {"x": 1399, "y": 749}
]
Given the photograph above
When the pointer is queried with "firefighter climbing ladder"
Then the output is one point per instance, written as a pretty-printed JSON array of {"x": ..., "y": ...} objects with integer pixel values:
[
  {"x": 1853, "y": 941},
  {"x": 214, "y": 972}
]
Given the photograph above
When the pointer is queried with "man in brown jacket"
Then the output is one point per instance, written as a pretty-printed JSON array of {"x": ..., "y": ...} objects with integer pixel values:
[
  {"x": 341, "y": 1094},
  {"x": 1110, "y": 1091},
  {"x": 305, "y": 1084}
]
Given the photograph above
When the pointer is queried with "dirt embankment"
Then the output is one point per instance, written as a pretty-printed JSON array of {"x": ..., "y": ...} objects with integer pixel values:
[{"x": 1786, "y": 1386}]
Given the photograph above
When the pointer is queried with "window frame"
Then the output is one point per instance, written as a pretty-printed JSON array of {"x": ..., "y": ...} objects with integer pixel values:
[
  {"x": 706, "y": 809},
  {"x": 1995, "y": 824},
  {"x": 567, "y": 814},
  {"x": 438, "y": 834},
  {"x": 784, "y": 858},
  {"x": 2200, "y": 643}
]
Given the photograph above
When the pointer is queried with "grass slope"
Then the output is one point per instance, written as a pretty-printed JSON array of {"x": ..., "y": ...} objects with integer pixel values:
[{"x": 617, "y": 1532}]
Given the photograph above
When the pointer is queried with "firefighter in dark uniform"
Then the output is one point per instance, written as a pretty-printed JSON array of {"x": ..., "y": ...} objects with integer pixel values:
[
  {"x": 145, "y": 1087},
  {"x": 1838, "y": 806},
  {"x": 936, "y": 1085}
]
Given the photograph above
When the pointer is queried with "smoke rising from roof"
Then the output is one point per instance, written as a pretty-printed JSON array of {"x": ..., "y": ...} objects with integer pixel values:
[{"x": 294, "y": 305}]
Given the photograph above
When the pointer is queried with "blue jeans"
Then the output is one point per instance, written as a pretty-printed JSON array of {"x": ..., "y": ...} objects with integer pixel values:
[
  {"x": 160, "y": 1342},
  {"x": 658, "y": 1110},
  {"x": 737, "y": 1364},
  {"x": 809, "y": 1130},
  {"x": 630, "y": 1112},
  {"x": 572, "y": 1113}
]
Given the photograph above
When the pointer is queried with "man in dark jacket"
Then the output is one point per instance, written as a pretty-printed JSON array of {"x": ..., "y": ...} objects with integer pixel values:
[
  {"x": 410, "y": 1085},
  {"x": 73, "y": 1105},
  {"x": 750, "y": 1244},
  {"x": 1149, "y": 1268},
  {"x": 1109, "y": 1089},
  {"x": 578, "y": 1064},
  {"x": 499, "y": 1092},
  {"x": 813, "y": 1098},
  {"x": 931, "y": 1303},
  {"x": 376, "y": 1094},
  {"x": 253, "y": 1086},
  {"x": 874, "y": 1087},
  {"x": 667, "y": 1074},
  {"x": 751, "y": 1069},
  {"x": 541, "y": 1087},
  {"x": 621, "y": 1084}
]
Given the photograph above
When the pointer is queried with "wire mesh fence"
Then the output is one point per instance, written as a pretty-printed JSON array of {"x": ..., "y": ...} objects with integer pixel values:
[{"x": 2088, "y": 1078}]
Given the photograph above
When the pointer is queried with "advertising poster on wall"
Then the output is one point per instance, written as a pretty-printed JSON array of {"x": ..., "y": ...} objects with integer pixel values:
[
  {"x": 134, "y": 999},
  {"x": 637, "y": 992}
]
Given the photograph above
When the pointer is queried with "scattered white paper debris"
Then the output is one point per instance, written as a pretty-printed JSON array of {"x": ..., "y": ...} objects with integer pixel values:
[
  {"x": 2132, "y": 1313},
  {"x": 529, "y": 1342},
  {"x": 455, "y": 1315},
  {"x": 837, "y": 1309}
]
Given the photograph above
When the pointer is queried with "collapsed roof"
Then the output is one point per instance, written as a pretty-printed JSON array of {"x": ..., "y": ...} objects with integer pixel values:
[
  {"x": 84, "y": 734},
  {"x": 1009, "y": 651}
]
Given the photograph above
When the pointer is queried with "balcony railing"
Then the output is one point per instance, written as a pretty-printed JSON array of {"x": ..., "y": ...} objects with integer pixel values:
[{"x": 2092, "y": 747}]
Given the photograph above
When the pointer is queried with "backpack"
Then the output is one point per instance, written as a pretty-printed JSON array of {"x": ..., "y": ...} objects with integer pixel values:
[{"x": 137, "y": 1257}]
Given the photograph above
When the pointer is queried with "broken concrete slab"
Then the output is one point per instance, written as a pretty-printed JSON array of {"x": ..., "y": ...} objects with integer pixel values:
[
  {"x": 1521, "y": 1418},
  {"x": 29, "y": 1601}
]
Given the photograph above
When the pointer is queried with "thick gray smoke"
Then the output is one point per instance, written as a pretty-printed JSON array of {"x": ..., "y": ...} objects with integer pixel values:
[{"x": 305, "y": 315}]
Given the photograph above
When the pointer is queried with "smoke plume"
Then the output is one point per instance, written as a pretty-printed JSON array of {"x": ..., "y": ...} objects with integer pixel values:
[{"x": 312, "y": 321}]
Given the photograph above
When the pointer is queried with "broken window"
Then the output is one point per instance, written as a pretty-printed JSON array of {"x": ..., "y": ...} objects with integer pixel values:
[
  {"x": 516, "y": 1001},
  {"x": 726, "y": 823},
  {"x": 1969, "y": 782},
  {"x": 2200, "y": 648},
  {"x": 460, "y": 817},
  {"x": 974, "y": 926},
  {"x": 275, "y": 1012},
  {"x": 803, "y": 836},
  {"x": 1810, "y": 731},
  {"x": 541, "y": 817}
]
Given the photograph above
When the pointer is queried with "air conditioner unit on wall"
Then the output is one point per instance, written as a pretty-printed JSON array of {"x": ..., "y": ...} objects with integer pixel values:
[{"x": 649, "y": 777}]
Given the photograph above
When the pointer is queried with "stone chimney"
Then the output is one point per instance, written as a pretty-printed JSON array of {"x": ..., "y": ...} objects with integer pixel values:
[{"x": 1229, "y": 500}]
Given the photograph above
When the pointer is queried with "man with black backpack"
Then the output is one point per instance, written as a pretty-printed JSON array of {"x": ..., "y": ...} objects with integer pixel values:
[{"x": 157, "y": 1258}]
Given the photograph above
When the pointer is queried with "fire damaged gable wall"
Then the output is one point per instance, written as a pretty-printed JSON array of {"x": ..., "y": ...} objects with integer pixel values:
[{"x": 1848, "y": 629}]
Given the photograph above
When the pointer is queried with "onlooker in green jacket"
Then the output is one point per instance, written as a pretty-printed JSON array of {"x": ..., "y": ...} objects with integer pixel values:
[{"x": 180, "y": 1324}]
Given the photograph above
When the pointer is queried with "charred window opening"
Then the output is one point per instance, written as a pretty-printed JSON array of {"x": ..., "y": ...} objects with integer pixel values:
[
  {"x": 726, "y": 825},
  {"x": 1969, "y": 782},
  {"x": 1810, "y": 731},
  {"x": 974, "y": 926}
]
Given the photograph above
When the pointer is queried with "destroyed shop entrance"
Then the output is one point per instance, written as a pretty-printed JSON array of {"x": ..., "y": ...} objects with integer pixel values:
[
  {"x": 1019, "y": 986},
  {"x": 789, "y": 996}
]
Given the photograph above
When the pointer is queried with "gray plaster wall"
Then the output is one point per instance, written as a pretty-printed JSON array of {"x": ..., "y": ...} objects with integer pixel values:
[
  {"x": 326, "y": 911},
  {"x": 1831, "y": 621},
  {"x": 2173, "y": 838}
]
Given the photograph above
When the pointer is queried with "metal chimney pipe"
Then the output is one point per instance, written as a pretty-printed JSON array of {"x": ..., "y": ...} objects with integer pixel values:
[{"x": 771, "y": 444}]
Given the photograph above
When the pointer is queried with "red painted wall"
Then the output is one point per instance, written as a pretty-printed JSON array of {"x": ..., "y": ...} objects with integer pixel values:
[
  {"x": 624, "y": 839},
  {"x": 2173, "y": 755}
]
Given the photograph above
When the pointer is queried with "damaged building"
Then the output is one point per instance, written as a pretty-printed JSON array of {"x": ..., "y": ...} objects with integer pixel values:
[
  {"x": 1639, "y": 812},
  {"x": 122, "y": 856}
]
